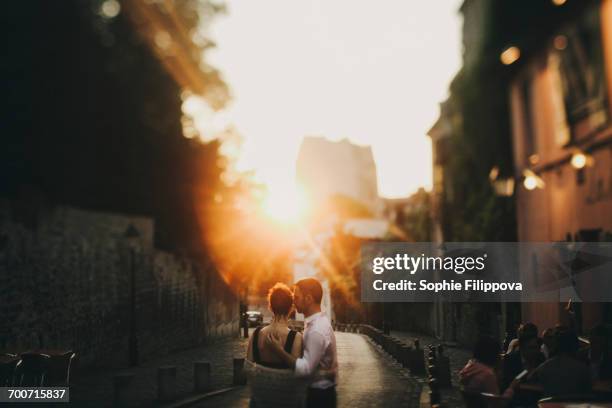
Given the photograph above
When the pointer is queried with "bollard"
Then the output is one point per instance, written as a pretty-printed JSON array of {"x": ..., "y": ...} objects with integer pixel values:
[
  {"x": 432, "y": 371},
  {"x": 386, "y": 343},
  {"x": 405, "y": 355},
  {"x": 417, "y": 361},
  {"x": 397, "y": 349},
  {"x": 201, "y": 376},
  {"x": 166, "y": 383},
  {"x": 391, "y": 350},
  {"x": 239, "y": 374},
  {"x": 434, "y": 393},
  {"x": 122, "y": 389},
  {"x": 392, "y": 346},
  {"x": 443, "y": 371},
  {"x": 440, "y": 350}
]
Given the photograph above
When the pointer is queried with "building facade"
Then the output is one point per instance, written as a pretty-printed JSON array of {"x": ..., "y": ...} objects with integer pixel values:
[
  {"x": 327, "y": 168},
  {"x": 560, "y": 94}
]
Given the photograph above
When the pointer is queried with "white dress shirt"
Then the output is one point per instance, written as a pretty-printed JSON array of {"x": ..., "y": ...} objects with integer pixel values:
[{"x": 320, "y": 357}]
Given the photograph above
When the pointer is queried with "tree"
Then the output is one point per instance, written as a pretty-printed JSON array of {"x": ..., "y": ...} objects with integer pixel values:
[{"x": 96, "y": 118}]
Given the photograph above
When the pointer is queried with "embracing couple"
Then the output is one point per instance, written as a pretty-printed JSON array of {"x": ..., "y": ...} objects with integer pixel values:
[{"x": 286, "y": 368}]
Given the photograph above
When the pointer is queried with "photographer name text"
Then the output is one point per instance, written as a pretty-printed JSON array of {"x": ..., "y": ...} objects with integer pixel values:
[{"x": 447, "y": 286}]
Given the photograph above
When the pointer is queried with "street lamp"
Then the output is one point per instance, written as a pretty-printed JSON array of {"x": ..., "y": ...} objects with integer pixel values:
[
  {"x": 510, "y": 55},
  {"x": 532, "y": 180},
  {"x": 581, "y": 159},
  {"x": 132, "y": 237}
]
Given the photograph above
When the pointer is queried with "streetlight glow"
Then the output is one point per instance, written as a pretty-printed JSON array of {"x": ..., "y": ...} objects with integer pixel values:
[
  {"x": 532, "y": 180},
  {"x": 510, "y": 55},
  {"x": 581, "y": 159}
]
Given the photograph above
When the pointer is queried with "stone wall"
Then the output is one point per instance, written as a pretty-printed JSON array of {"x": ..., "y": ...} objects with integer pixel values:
[{"x": 66, "y": 282}]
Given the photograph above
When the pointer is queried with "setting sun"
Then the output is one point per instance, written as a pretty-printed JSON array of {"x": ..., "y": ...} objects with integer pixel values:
[{"x": 286, "y": 205}]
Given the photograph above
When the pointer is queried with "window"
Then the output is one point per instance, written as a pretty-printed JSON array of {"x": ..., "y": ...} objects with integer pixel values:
[
  {"x": 527, "y": 102},
  {"x": 580, "y": 63}
]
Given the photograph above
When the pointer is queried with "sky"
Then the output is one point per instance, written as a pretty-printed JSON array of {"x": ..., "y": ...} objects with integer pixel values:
[{"x": 372, "y": 72}]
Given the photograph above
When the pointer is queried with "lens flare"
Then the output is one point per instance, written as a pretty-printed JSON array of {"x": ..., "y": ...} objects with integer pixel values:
[{"x": 286, "y": 205}]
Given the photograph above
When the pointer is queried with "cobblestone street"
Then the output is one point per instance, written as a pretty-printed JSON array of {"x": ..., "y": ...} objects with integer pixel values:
[{"x": 367, "y": 377}]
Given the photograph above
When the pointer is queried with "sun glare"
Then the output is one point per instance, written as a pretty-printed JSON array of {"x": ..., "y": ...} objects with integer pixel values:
[{"x": 286, "y": 205}]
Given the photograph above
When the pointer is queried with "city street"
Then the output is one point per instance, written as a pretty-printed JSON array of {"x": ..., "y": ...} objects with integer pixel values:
[
  {"x": 367, "y": 376},
  {"x": 429, "y": 182}
]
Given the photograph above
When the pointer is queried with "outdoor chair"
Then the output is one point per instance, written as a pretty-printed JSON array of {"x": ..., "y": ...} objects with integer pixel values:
[
  {"x": 58, "y": 372},
  {"x": 575, "y": 399},
  {"x": 33, "y": 369},
  {"x": 495, "y": 401},
  {"x": 7, "y": 370}
]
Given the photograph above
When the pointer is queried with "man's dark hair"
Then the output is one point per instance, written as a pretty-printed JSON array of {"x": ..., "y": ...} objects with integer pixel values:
[
  {"x": 567, "y": 340},
  {"x": 486, "y": 350},
  {"x": 312, "y": 287},
  {"x": 280, "y": 299}
]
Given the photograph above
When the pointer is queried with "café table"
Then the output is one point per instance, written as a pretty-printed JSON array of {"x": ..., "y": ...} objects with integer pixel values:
[
  {"x": 5, "y": 359},
  {"x": 602, "y": 393},
  {"x": 50, "y": 352},
  {"x": 531, "y": 387}
]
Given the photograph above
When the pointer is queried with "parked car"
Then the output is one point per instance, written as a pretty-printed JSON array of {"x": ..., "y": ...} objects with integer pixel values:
[{"x": 254, "y": 318}]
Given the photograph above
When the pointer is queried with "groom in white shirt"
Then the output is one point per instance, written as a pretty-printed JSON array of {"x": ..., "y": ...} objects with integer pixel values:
[{"x": 320, "y": 360}]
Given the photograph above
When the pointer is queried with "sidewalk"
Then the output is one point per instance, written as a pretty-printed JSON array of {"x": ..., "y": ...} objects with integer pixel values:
[
  {"x": 458, "y": 357},
  {"x": 95, "y": 389}
]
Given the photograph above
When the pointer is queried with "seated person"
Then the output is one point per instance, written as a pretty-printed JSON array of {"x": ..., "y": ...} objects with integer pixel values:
[
  {"x": 479, "y": 375},
  {"x": 564, "y": 374},
  {"x": 526, "y": 356},
  {"x": 598, "y": 356},
  {"x": 527, "y": 329},
  {"x": 548, "y": 343}
]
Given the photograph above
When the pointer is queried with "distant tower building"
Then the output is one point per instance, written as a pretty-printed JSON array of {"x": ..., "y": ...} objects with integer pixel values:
[{"x": 326, "y": 168}]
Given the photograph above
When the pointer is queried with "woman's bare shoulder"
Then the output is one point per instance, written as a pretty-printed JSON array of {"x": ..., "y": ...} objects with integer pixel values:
[{"x": 297, "y": 345}]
